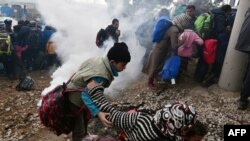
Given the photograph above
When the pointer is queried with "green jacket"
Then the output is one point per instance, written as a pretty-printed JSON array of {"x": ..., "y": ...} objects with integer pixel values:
[
  {"x": 94, "y": 67},
  {"x": 5, "y": 37}
]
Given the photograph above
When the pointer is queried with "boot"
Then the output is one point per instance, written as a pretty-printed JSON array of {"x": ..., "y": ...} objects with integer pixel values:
[{"x": 151, "y": 83}]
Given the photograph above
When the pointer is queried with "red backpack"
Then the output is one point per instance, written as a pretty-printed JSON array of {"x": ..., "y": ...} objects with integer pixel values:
[
  {"x": 54, "y": 112},
  {"x": 209, "y": 51}
]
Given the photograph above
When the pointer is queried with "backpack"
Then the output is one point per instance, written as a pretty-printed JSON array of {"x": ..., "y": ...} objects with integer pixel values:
[
  {"x": 25, "y": 84},
  {"x": 5, "y": 43},
  {"x": 101, "y": 37},
  {"x": 161, "y": 26},
  {"x": 209, "y": 50},
  {"x": 204, "y": 25},
  {"x": 54, "y": 110},
  {"x": 171, "y": 67}
]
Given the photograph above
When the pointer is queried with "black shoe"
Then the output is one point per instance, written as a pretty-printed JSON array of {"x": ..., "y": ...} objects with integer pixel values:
[{"x": 242, "y": 105}]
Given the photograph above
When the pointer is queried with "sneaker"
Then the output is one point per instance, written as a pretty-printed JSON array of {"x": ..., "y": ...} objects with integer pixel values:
[{"x": 242, "y": 105}]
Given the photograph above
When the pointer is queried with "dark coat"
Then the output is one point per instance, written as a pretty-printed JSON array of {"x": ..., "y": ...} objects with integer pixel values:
[
  {"x": 220, "y": 21},
  {"x": 243, "y": 43},
  {"x": 112, "y": 32},
  {"x": 161, "y": 51}
]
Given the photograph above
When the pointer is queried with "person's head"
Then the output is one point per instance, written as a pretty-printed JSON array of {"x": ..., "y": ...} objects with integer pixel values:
[
  {"x": 226, "y": 9},
  {"x": 20, "y": 22},
  {"x": 197, "y": 132},
  {"x": 163, "y": 12},
  {"x": 115, "y": 23},
  {"x": 182, "y": 21},
  {"x": 119, "y": 56},
  {"x": 175, "y": 118},
  {"x": 33, "y": 24},
  {"x": 190, "y": 10},
  {"x": 8, "y": 22},
  {"x": 204, "y": 8}
]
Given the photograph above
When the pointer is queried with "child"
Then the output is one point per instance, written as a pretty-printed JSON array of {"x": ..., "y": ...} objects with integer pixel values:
[
  {"x": 185, "y": 51},
  {"x": 98, "y": 70},
  {"x": 169, "y": 123}
]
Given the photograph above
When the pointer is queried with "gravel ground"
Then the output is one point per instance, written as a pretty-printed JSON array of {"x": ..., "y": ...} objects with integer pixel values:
[{"x": 216, "y": 107}]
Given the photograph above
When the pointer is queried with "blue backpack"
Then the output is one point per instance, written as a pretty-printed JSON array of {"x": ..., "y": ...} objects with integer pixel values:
[
  {"x": 171, "y": 67},
  {"x": 161, "y": 26}
]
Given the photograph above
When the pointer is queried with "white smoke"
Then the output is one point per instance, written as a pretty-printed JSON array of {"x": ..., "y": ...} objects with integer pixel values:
[{"x": 77, "y": 23}]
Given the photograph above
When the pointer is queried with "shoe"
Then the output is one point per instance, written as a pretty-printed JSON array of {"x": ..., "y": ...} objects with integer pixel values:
[{"x": 242, "y": 105}]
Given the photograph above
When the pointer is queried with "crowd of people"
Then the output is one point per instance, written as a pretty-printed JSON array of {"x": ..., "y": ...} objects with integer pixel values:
[
  {"x": 185, "y": 37},
  {"x": 174, "y": 121},
  {"x": 25, "y": 48}
]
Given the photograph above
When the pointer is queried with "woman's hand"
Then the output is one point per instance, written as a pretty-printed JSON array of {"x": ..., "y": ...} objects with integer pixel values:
[{"x": 102, "y": 118}]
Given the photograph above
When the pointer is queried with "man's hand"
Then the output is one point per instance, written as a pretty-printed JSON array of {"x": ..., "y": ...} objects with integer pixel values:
[
  {"x": 102, "y": 118},
  {"x": 118, "y": 32}
]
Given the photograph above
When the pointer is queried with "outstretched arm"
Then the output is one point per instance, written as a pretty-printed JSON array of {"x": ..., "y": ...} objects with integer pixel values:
[{"x": 119, "y": 119}]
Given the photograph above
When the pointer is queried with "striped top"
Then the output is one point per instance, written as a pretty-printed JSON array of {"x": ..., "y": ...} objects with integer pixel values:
[{"x": 137, "y": 126}]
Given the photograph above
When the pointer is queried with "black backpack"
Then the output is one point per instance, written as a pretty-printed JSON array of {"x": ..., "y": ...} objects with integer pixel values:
[
  {"x": 25, "y": 84},
  {"x": 101, "y": 37}
]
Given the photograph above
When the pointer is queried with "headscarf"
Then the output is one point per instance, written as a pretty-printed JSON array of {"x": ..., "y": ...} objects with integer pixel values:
[
  {"x": 182, "y": 21},
  {"x": 174, "y": 118}
]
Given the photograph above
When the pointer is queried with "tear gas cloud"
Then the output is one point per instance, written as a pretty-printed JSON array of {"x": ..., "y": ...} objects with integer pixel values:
[{"x": 78, "y": 21}]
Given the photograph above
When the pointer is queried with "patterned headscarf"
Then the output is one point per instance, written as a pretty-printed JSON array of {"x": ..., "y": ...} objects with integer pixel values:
[
  {"x": 182, "y": 21},
  {"x": 173, "y": 118}
]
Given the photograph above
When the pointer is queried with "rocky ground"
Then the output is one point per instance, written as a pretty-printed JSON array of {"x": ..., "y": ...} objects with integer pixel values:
[{"x": 216, "y": 107}]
